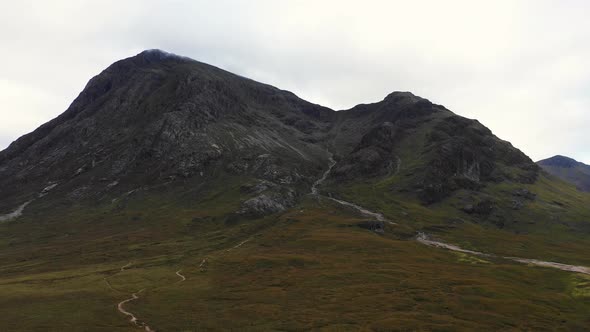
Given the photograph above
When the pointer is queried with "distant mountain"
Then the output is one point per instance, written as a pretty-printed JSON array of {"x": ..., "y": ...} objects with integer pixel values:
[{"x": 569, "y": 170}]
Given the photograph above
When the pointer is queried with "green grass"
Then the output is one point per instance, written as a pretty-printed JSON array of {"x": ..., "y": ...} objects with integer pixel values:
[
  {"x": 310, "y": 268},
  {"x": 580, "y": 286}
]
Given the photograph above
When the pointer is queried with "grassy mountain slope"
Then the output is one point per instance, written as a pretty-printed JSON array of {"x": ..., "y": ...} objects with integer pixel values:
[{"x": 311, "y": 267}]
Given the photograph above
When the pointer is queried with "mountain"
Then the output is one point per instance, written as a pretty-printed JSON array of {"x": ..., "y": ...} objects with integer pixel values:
[
  {"x": 173, "y": 195},
  {"x": 569, "y": 170},
  {"x": 157, "y": 118}
]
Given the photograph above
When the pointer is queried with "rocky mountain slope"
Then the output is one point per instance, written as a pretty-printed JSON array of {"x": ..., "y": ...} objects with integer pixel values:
[
  {"x": 158, "y": 118},
  {"x": 175, "y": 196},
  {"x": 569, "y": 170}
]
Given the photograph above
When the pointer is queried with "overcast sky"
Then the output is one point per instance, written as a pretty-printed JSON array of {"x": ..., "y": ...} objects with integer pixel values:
[{"x": 520, "y": 67}]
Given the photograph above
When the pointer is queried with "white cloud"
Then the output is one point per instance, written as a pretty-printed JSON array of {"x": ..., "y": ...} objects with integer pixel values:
[{"x": 520, "y": 67}]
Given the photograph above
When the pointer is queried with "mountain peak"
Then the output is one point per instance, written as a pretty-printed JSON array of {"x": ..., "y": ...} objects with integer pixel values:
[
  {"x": 559, "y": 161},
  {"x": 406, "y": 94},
  {"x": 157, "y": 55},
  {"x": 398, "y": 96},
  {"x": 569, "y": 170},
  {"x": 147, "y": 58}
]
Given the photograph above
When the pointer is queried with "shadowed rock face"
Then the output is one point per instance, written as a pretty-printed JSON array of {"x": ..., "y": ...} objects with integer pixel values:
[
  {"x": 452, "y": 152},
  {"x": 569, "y": 170},
  {"x": 465, "y": 154},
  {"x": 158, "y": 118},
  {"x": 372, "y": 156}
]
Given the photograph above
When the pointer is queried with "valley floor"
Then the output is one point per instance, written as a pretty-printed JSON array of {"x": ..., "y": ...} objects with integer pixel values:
[{"x": 311, "y": 268}]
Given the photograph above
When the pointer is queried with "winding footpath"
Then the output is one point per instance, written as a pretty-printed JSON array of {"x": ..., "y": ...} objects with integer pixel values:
[
  {"x": 120, "y": 306},
  {"x": 314, "y": 187},
  {"x": 109, "y": 284},
  {"x": 135, "y": 296},
  {"x": 182, "y": 278},
  {"x": 559, "y": 266},
  {"x": 315, "y": 191},
  {"x": 106, "y": 279},
  {"x": 132, "y": 317},
  {"x": 237, "y": 245},
  {"x": 203, "y": 265},
  {"x": 426, "y": 240},
  {"x": 376, "y": 215},
  {"x": 124, "y": 267}
]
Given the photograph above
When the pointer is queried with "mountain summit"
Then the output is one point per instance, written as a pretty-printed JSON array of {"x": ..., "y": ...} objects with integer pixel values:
[{"x": 569, "y": 170}]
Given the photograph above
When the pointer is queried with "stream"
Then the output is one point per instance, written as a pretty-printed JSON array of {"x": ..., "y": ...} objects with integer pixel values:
[{"x": 315, "y": 191}]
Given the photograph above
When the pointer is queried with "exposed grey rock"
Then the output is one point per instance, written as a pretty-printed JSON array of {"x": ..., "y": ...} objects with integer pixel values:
[
  {"x": 517, "y": 204},
  {"x": 47, "y": 189},
  {"x": 268, "y": 203},
  {"x": 485, "y": 207},
  {"x": 112, "y": 184},
  {"x": 469, "y": 208},
  {"x": 524, "y": 193},
  {"x": 373, "y": 225},
  {"x": 258, "y": 187}
]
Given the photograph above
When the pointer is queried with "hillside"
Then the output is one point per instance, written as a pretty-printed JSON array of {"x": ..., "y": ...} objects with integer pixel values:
[
  {"x": 172, "y": 195},
  {"x": 568, "y": 170}
]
